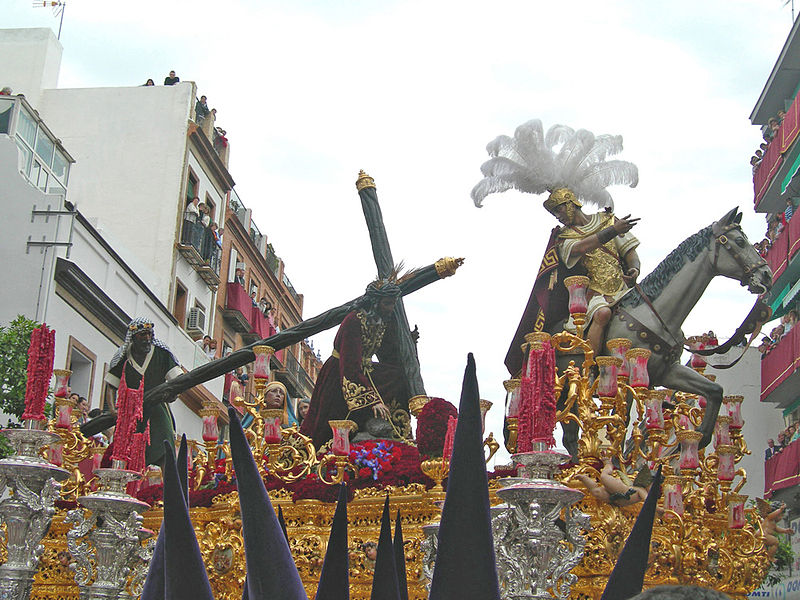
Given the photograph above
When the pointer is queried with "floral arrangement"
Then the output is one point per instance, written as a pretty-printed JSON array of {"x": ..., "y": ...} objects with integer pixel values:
[{"x": 432, "y": 426}]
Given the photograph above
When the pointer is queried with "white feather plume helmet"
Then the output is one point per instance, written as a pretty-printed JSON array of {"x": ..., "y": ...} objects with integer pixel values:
[{"x": 535, "y": 162}]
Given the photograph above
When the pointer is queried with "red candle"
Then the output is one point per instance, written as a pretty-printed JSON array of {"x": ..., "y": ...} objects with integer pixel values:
[
  {"x": 449, "y": 437},
  {"x": 40, "y": 369},
  {"x": 129, "y": 413},
  {"x": 537, "y": 415}
]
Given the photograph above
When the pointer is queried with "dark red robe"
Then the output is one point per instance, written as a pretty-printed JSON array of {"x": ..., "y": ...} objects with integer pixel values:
[{"x": 328, "y": 400}]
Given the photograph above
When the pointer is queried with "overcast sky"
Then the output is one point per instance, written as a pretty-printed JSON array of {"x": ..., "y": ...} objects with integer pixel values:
[{"x": 411, "y": 92}]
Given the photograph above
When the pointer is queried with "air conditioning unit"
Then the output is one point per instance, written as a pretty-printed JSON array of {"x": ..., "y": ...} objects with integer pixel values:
[{"x": 196, "y": 322}]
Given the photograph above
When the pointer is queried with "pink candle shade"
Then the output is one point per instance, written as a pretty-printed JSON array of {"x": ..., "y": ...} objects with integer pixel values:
[
  {"x": 56, "y": 453},
  {"x": 210, "y": 428},
  {"x": 727, "y": 462},
  {"x": 272, "y": 425},
  {"x": 736, "y": 519},
  {"x": 637, "y": 363},
  {"x": 64, "y": 408},
  {"x": 734, "y": 406},
  {"x": 618, "y": 348},
  {"x": 261, "y": 368},
  {"x": 722, "y": 434},
  {"x": 689, "y": 441},
  {"x": 607, "y": 379},
  {"x": 341, "y": 436},
  {"x": 512, "y": 397},
  {"x": 673, "y": 494},
  {"x": 654, "y": 411},
  {"x": 577, "y": 286},
  {"x": 62, "y": 382}
]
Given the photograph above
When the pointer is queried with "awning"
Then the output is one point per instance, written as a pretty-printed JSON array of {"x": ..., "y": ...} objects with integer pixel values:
[
  {"x": 778, "y": 307},
  {"x": 792, "y": 172}
]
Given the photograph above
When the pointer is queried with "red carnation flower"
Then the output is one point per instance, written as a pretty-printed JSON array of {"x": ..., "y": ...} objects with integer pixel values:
[{"x": 432, "y": 426}]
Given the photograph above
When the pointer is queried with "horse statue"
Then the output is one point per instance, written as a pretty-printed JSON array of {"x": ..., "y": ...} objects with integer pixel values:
[{"x": 672, "y": 290}]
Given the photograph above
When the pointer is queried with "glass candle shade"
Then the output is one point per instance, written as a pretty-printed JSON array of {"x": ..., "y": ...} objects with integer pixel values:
[
  {"x": 727, "y": 464},
  {"x": 272, "y": 425},
  {"x": 64, "y": 408},
  {"x": 153, "y": 475},
  {"x": 485, "y": 406},
  {"x": 689, "y": 441},
  {"x": 261, "y": 365},
  {"x": 62, "y": 382},
  {"x": 618, "y": 348},
  {"x": 607, "y": 379},
  {"x": 577, "y": 286},
  {"x": 734, "y": 406},
  {"x": 654, "y": 411},
  {"x": 57, "y": 454},
  {"x": 637, "y": 363},
  {"x": 722, "y": 433},
  {"x": 736, "y": 518},
  {"x": 673, "y": 494},
  {"x": 210, "y": 427},
  {"x": 685, "y": 423},
  {"x": 341, "y": 436},
  {"x": 696, "y": 343},
  {"x": 512, "y": 397}
]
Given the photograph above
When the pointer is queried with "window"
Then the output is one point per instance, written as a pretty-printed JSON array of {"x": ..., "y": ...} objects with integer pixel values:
[
  {"x": 191, "y": 187},
  {"x": 81, "y": 361},
  {"x": 212, "y": 209},
  {"x": 179, "y": 306},
  {"x": 253, "y": 288}
]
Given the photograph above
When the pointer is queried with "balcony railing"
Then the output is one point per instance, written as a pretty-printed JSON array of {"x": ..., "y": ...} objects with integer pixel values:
[
  {"x": 780, "y": 145},
  {"x": 198, "y": 247},
  {"x": 779, "y": 366},
  {"x": 782, "y": 470},
  {"x": 784, "y": 248}
]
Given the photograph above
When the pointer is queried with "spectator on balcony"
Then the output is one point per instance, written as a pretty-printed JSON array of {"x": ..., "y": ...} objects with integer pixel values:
[
  {"x": 204, "y": 343},
  {"x": 253, "y": 298},
  {"x": 201, "y": 110},
  {"x": 149, "y": 83},
  {"x": 215, "y": 233},
  {"x": 6, "y": 91},
  {"x": 775, "y": 126},
  {"x": 192, "y": 212},
  {"x": 205, "y": 218},
  {"x": 781, "y": 442},
  {"x": 765, "y": 346},
  {"x": 754, "y": 162},
  {"x": 82, "y": 410},
  {"x": 171, "y": 79},
  {"x": 264, "y": 306},
  {"x": 239, "y": 276},
  {"x": 781, "y": 115},
  {"x": 211, "y": 351},
  {"x": 771, "y": 450},
  {"x": 788, "y": 211},
  {"x": 220, "y": 233}
]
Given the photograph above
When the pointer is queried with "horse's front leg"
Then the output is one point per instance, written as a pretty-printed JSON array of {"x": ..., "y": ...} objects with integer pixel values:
[{"x": 683, "y": 379}]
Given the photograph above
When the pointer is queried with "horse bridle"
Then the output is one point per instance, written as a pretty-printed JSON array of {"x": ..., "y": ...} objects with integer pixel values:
[
  {"x": 722, "y": 240},
  {"x": 758, "y": 315}
]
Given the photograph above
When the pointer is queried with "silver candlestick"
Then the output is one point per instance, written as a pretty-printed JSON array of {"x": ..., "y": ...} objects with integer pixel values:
[
  {"x": 535, "y": 549},
  {"x": 113, "y": 529},
  {"x": 28, "y": 510},
  {"x": 139, "y": 564}
]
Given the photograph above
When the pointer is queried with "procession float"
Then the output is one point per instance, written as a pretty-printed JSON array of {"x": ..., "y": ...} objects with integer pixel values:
[{"x": 79, "y": 524}]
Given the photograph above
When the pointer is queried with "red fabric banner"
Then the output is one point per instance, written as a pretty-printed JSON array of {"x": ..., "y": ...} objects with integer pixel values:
[
  {"x": 780, "y": 362},
  {"x": 782, "y": 470},
  {"x": 237, "y": 299},
  {"x": 773, "y": 157},
  {"x": 778, "y": 255},
  {"x": 790, "y": 126}
]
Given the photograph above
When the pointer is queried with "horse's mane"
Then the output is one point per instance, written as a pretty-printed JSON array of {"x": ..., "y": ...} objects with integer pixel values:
[{"x": 655, "y": 282}]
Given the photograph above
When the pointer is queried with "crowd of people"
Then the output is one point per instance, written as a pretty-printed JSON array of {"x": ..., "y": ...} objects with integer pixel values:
[
  {"x": 200, "y": 230},
  {"x": 776, "y": 223},
  {"x": 788, "y": 321},
  {"x": 768, "y": 132},
  {"x": 785, "y": 437}
]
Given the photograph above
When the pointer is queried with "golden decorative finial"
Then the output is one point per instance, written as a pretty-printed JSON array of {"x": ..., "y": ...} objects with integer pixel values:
[
  {"x": 364, "y": 181},
  {"x": 445, "y": 267}
]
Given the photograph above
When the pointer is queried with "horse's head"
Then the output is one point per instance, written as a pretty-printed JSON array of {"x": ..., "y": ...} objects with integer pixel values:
[{"x": 735, "y": 257}]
